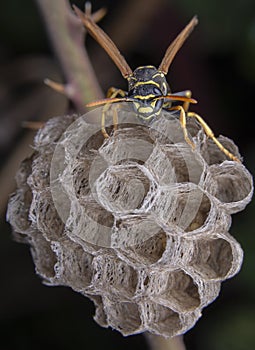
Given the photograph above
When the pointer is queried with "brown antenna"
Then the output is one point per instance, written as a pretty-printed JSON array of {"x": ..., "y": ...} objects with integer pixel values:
[
  {"x": 175, "y": 46},
  {"x": 103, "y": 39}
]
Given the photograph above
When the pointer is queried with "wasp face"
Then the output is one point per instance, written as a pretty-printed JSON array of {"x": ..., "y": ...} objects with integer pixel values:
[{"x": 146, "y": 86}]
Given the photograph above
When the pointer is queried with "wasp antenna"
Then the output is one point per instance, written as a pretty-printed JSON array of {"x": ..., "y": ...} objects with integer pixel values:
[
  {"x": 179, "y": 98},
  {"x": 103, "y": 39},
  {"x": 175, "y": 46},
  {"x": 108, "y": 100}
]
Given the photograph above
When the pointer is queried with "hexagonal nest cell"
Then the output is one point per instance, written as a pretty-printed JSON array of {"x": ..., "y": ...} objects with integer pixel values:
[{"x": 137, "y": 222}]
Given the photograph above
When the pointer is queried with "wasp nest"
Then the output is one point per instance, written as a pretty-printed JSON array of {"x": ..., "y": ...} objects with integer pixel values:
[{"x": 137, "y": 222}]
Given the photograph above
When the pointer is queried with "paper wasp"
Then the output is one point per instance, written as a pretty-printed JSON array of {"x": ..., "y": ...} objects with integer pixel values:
[{"x": 148, "y": 89}]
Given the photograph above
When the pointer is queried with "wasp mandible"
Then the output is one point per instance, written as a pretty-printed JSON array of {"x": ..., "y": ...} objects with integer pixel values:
[{"x": 148, "y": 89}]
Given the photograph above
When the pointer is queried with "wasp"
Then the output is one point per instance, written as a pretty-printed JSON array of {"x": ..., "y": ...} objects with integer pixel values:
[{"x": 148, "y": 89}]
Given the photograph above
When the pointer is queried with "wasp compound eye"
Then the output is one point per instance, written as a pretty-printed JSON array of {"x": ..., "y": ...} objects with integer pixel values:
[{"x": 157, "y": 92}]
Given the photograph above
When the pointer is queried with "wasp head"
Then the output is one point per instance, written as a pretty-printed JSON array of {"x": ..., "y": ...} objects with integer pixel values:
[{"x": 146, "y": 88}]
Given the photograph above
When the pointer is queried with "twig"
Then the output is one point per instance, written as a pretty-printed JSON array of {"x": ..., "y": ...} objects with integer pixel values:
[
  {"x": 50, "y": 105},
  {"x": 160, "y": 343},
  {"x": 67, "y": 36}
]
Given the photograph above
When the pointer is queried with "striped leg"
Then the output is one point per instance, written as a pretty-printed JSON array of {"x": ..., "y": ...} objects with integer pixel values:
[
  {"x": 183, "y": 124},
  {"x": 111, "y": 93}
]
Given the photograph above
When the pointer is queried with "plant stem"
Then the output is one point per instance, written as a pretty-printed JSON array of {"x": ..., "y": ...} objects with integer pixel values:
[
  {"x": 67, "y": 37},
  {"x": 157, "y": 342}
]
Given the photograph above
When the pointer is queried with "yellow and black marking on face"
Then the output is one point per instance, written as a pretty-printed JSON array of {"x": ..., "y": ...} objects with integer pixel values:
[{"x": 146, "y": 88}]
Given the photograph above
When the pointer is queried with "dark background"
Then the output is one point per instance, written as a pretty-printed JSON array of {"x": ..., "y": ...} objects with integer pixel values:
[{"x": 217, "y": 64}]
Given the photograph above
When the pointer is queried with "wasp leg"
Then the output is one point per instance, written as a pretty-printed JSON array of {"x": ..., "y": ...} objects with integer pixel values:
[
  {"x": 210, "y": 134},
  {"x": 103, "y": 130},
  {"x": 114, "y": 92},
  {"x": 183, "y": 124},
  {"x": 185, "y": 105},
  {"x": 111, "y": 93},
  {"x": 115, "y": 119}
]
